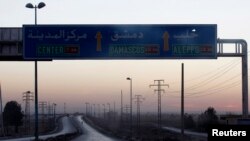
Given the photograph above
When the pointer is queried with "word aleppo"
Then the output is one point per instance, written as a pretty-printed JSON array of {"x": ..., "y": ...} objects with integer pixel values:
[{"x": 216, "y": 132}]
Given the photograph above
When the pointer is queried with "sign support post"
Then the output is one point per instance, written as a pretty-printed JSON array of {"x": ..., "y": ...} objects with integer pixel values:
[
  {"x": 240, "y": 51},
  {"x": 182, "y": 101}
]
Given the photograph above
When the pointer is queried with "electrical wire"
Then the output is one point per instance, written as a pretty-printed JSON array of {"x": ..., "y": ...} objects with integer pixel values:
[{"x": 214, "y": 77}]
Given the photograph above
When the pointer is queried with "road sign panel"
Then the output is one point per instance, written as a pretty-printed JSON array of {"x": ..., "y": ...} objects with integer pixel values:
[{"x": 120, "y": 41}]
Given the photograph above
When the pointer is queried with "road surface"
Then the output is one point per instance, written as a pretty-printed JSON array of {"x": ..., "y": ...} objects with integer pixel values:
[
  {"x": 177, "y": 130},
  {"x": 67, "y": 128},
  {"x": 90, "y": 134}
]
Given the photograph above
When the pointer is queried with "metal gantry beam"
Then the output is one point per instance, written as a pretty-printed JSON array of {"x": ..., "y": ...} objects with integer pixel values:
[{"x": 240, "y": 51}]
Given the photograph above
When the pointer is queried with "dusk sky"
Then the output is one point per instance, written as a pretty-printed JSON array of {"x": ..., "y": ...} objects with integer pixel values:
[{"x": 215, "y": 82}]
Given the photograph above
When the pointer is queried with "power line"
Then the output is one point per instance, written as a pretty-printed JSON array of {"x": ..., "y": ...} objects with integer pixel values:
[
  {"x": 159, "y": 90},
  {"x": 114, "y": 112},
  {"x": 126, "y": 111},
  {"x": 50, "y": 110},
  {"x": 91, "y": 111},
  {"x": 108, "y": 113},
  {"x": 203, "y": 83},
  {"x": 94, "y": 109},
  {"x": 231, "y": 85},
  {"x": 211, "y": 73},
  {"x": 104, "y": 111},
  {"x": 138, "y": 102},
  {"x": 215, "y": 88},
  {"x": 121, "y": 106},
  {"x": 64, "y": 108},
  {"x": 216, "y": 92},
  {"x": 99, "y": 111},
  {"x": 212, "y": 78},
  {"x": 43, "y": 106},
  {"x": 27, "y": 97},
  {"x": 86, "y": 112}
]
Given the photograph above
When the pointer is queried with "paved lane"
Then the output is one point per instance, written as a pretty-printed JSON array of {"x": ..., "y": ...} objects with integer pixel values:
[
  {"x": 67, "y": 128},
  {"x": 90, "y": 134},
  {"x": 177, "y": 130}
]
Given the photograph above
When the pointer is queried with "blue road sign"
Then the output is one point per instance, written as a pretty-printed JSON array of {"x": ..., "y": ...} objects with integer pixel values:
[{"x": 120, "y": 41}]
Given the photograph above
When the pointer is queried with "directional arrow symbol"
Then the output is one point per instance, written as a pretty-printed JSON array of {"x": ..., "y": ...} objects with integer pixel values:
[{"x": 165, "y": 39}]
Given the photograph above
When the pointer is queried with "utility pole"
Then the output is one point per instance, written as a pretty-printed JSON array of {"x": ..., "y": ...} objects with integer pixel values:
[
  {"x": 43, "y": 106},
  {"x": 91, "y": 112},
  {"x": 159, "y": 90},
  {"x": 54, "y": 105},
  {"x": 121, "y": 106},
  {"x": 126, "y": 111},
  {"x": 109, "y": 106},
  {"x": 99, "y": 112},
  {"x": 94, "y": 110},
  {"x": 86, "y": 108},
  {"x": 64, "y": 108},
  {"x": 49, "y": 110},
  {"x": 27, "y": 97},
  {"x": 138, "y": 102},
  {"x": 104, "y": 111},
  {"x": 109, "y": 111},
  {"x": 114, "y": 111}
]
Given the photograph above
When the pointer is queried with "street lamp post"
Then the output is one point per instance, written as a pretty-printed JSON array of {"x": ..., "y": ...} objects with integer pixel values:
[
  {"x": 39, "y": 6},
  {"x": 128, "y": 78}
]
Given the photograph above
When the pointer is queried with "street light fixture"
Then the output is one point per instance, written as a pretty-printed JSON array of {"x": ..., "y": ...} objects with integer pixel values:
[
  {"x": 39, "y": 6},
  {"x": 129, "y": 78}
]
